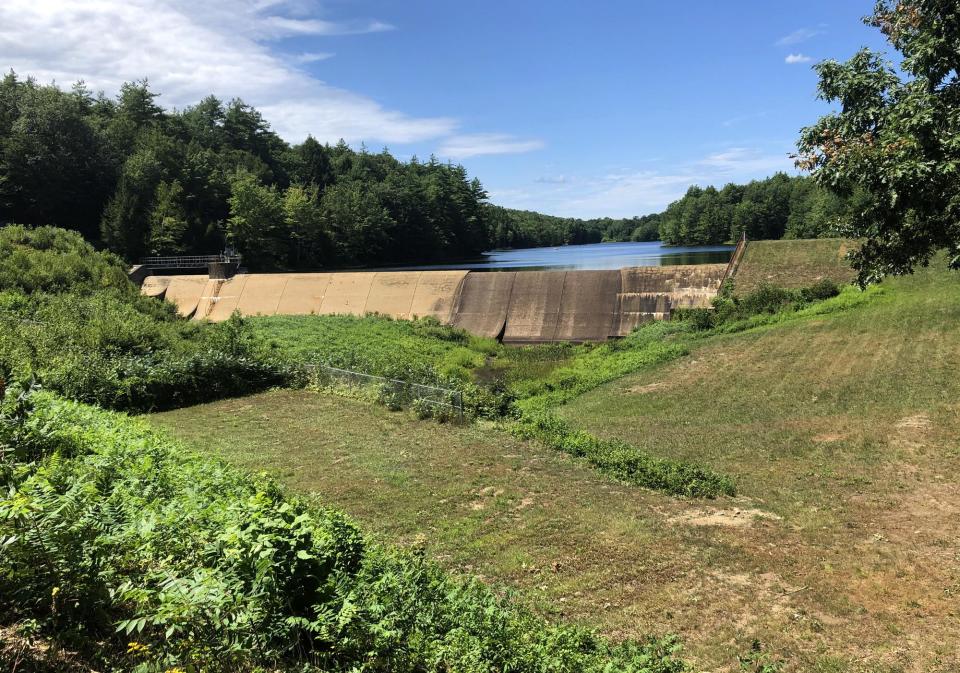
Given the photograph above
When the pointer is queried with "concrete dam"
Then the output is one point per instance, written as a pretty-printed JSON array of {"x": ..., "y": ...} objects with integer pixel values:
[{"x": 515, "y": 306}]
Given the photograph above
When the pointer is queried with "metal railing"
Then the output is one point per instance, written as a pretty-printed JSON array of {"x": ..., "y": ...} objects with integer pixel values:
[
  {"x": 734, "y": 259},
  {"x": 393, "y": 392},
  {"x": 188, "y": 261}
]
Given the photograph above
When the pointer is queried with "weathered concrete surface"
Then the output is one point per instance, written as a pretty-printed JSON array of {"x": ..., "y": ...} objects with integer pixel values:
[
  {"x": 184, "y": 292},
  {"x": 522, "y": 307},
  {"x": 228, "y": 298},
  {"x": 483, "y": 304},
  {"x": 534, "y": 308},
  {"x": 437, "y": 294},
  {"x": 391, "y": 293},
  {"x": 347, "y": 293},
  {"x": 208, "y": 298},
  {"x": 155, "y": 286},
  {"x": 588, "y": 306},
  {"x": 261, "y": 294},
  {"x": 303, "y": 293},
  {"x": 651, "y": 292}
]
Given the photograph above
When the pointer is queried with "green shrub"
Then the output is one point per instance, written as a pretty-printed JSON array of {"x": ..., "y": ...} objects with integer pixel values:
[
  {"x": 766, "y": 300},
  {"x": 623, "y": 461},
  {"x": 102, "y": 348},
  {"x": 119, "y": 543},
  {"x": 48, "y": 259},
  {"x": 822, "y": 289}
]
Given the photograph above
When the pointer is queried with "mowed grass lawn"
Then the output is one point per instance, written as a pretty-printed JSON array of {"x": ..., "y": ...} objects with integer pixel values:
[
  {"x": 846, "y": 426},
  {"x": 843, "y": 552}
]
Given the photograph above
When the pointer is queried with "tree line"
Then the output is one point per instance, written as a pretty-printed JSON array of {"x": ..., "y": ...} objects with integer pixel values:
[
  {"x": 780, "y": 206},
  {"x": 140, "y": 180},
  {"x": 511, "y": 228}
]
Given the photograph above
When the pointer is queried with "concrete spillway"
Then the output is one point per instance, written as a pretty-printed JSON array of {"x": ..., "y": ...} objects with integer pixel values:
[{"x": 517, "y": 306}]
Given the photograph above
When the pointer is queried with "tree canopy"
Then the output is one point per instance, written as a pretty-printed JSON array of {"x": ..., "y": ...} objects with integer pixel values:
[
  {"x": 895, "y": 139},
  {"x": 141, "y": 181},
  {"x": 780, "y": 206}
]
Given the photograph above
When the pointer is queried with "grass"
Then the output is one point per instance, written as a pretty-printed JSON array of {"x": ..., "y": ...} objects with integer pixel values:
[
  {"x": 841, "y": 427},
  {"x": 376, "y": 344},
  {"x": 846, "y": 427},
  {"x": 793, "y": 264},
  {"x": 840, "y": 423}
]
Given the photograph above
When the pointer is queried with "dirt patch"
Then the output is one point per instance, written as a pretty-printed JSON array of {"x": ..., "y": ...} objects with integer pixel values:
[
  {"x": 828, "y": 437},
  {"x": 485, "y": 496},
  {"x": 648, "y": 388},
  {"x": 729, "y": 518},
  {"x": 912, "y": 431}
]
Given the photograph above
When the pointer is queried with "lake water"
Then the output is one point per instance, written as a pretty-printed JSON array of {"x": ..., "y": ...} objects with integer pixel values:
[{"x": 591, "y": 256}]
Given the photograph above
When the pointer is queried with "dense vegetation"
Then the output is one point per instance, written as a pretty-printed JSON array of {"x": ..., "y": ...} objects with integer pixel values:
[
  {"x": 72, "y": 319},
  {"x": 777, "y": 207}
]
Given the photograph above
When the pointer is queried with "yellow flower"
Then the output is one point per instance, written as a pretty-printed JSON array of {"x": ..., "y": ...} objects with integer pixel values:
[
  {"x": 137, "y": 648},
  {"x": 54, "y": 591},
  {"x": 174, "y": 670}
]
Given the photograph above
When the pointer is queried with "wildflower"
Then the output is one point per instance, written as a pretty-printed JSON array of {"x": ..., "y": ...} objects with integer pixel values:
[{"x": 137, "y": 648}]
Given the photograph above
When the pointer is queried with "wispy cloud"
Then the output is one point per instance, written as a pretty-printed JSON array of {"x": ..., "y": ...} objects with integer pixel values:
[
  {"x": 798, "y": 36},
  {"x": 313, "y": 56},
  {"x": 796, "y": 58},
  {"x": 283, "y": 26},
  {"x": 553, "y": 179},
  {"x": 189, "y": 49},
  {"x": 477, "y": 144},
  {"x": 628, "y": 193}
]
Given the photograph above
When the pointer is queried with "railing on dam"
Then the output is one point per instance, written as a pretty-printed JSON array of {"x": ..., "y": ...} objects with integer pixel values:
[
  {"x": 189, "y": 261},
  {"x": 735, "y": 259}
]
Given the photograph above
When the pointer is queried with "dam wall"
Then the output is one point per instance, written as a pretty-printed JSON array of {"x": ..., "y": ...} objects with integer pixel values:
[{"x": 515, "y": 306}]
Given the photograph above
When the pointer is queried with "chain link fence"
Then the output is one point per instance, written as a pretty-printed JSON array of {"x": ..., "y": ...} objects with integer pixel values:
[{"x": 395, "y": 394}]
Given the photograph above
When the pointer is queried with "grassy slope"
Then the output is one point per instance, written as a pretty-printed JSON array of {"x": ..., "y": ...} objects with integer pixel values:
[
  {"x": 577, "y": 544},
  {"x": 844, "y": 425},
  {"x": 793, "y": 263},
  {"x": 848, "y": 428}
]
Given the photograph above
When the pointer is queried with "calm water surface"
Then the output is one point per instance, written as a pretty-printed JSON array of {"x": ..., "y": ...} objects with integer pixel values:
[{"x": 592, "y": 256}]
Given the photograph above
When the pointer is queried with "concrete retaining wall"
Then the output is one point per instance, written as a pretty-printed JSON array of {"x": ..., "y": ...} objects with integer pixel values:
[{"x": 520, "y": 307}]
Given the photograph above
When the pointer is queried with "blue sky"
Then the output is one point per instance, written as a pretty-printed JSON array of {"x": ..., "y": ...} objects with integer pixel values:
[{"x": 571, "y": 108}]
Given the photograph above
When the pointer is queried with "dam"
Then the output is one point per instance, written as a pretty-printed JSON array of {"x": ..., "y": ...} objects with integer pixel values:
[{"x": 520, "y": 307}]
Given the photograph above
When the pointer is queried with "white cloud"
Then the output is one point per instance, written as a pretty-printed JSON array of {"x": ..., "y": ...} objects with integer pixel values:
[
  {"x": 798, "y": 36},
  {"x": 190, "y": 49},
  {"x": 796, "y": 58},
  {"x": 313, "y": 56},
  {"x": 477, "y": 144},
  {"x": 639, "y": 192},
  {"x": 742, "y": 161},
  {"x": 281, "y": 26}
]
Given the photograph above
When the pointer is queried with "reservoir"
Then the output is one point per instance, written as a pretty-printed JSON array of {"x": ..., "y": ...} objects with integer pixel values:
[{"x": 593, "y": 256}]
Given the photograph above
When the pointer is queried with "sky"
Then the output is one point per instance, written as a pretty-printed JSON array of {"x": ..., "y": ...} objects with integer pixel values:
[{"x": 581, "y": 109}]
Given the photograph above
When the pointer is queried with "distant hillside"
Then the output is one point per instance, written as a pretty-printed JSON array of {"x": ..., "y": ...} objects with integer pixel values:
[
  {"x": 777, "y": 207},
  {"x": 510, "y": 228}
]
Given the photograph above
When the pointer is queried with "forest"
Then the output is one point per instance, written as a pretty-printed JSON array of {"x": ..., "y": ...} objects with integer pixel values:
[
  {"x": 780, "y": 206},
  {"x": 139, "y": 180}
]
